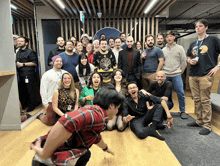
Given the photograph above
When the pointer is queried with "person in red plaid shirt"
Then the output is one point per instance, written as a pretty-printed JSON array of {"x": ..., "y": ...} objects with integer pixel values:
[{"x": 68, "y": 142}]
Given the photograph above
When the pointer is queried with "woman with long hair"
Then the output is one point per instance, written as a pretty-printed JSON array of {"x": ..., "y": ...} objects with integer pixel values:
[
  {"x": 138, "y": 46},
  {"x": 66, "y": 98},
  {"x": 89, "y": 91},
  {"x": 84, "y": 69},
  {"x": 79, "y": 47},
  {"x": 118, "y": 79}
]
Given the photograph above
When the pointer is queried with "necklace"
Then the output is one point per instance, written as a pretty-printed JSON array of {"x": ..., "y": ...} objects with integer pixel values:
[{"x": 60, "y": 76}]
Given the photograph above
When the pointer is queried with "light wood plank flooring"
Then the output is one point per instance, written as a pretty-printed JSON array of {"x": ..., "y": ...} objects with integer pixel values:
[{"x": 128, "y": 149}]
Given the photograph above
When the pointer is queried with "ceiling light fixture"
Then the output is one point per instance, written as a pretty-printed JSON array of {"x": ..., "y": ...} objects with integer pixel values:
[
  {"x": 13, "y": 7},
  {"x": 60, "y": 4},
  {"x": 150, "y": 6}
]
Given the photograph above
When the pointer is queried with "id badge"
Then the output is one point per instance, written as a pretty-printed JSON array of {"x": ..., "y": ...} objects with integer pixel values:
[
  {"x": 69, "y": 107},
  {"x": 26, "y": 80}
]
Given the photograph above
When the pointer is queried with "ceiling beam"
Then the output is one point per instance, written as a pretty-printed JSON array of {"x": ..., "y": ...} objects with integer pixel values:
[
  {"x": 156, "y": 7},
  {"x": 126, "y": 5},
  {"x": 110, "y": 6},
  {"x": 87, "y": 4},
  {"x": 119, "y": 10},
  {"x": 136, "y": 6},
  {"x": 68, "y": 8},
  {"x": 55, "y": 5},
  {"x": 115, "y": 5},
  {"x": 98, "y": 2},
  {"x": 18, "y": 14},
  {"x": 141, "y": 7},
  {"x": 82, "y": 6},
  {"x": 93, "y": 6},
  {"x": 104, "y": 7},
  {"x": 74, "y": 2},
  {"x": 72, "y": 7},
  {"x": 18, "y": 4},
  {"x": 26, "y": 4},
  {"x": 170, "y": 2},
  {"x": 131, "y": 6},
  {"x": 54, "y": 10}
]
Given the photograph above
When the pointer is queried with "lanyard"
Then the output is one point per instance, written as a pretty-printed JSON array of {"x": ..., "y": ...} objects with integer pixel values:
[
  {"x": 60, "y": 76},
  {"x": 199, "y": 45}
]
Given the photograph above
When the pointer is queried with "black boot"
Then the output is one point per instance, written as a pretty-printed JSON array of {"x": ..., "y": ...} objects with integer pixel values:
[{"x": 153, "y": 131}]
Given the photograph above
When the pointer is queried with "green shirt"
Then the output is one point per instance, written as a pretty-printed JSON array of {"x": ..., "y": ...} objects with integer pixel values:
[{"x": 86, "y": 92}]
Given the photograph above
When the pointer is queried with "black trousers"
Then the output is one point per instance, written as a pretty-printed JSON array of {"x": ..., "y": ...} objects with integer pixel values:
[
  {"x": 140, "y": 125},
  {"x": 27, "y": 91}
]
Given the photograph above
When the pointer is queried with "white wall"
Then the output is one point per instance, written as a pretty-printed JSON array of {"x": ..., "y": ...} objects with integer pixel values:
[{"x": 9, "y": 102}]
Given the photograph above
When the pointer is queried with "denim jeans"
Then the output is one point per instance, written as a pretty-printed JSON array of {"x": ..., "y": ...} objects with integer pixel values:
[{"x": 178, "y": 87}]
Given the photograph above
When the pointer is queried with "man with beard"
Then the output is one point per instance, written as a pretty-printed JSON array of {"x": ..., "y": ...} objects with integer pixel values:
[
  {"x": 117, "y": 49},
  {"x": 70, "y": 61},
  {"x": 85, "y": 41},
  {"x": 26, "y": 61},
  {"x": 174, "y": 66},
  {"x": 140, "y": 116},
  {"x": 104, "y": 61},
  {"x": 152, "y": 60},
  {"x": 102, "y": 36},
  {"x": 160, "y": 41},
  {"x": 123, "y": 37},
  {"x": 49, "y": 83},
  {"x": 56, "y": 51},
  {"x": 129, "y": 61}
]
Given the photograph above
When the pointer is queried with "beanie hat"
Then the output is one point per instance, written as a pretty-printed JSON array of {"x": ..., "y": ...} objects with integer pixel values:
[{"x": 55, "y": 57}]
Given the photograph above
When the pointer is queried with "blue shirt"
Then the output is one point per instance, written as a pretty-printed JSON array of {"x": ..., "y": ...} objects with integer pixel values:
[
  {"x": 152, "y": 59},
  {"x": 69, "y": 64}
]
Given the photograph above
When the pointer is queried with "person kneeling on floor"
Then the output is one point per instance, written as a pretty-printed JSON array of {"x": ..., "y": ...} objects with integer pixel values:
[
  {"x": 68, "y": 142},
  {"x": 140, "y": 116}
]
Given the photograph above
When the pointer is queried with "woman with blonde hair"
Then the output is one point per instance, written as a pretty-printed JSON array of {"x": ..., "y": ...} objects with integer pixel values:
[{"x": 66, "y": 98}]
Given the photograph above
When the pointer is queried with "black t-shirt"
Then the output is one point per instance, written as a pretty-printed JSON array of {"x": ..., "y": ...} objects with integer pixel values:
[
  {"x": 208, "y": 55},
  {"x": 164, "y": 90}
]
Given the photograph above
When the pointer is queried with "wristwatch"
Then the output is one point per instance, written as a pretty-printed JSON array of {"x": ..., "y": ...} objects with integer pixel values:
[
  {"x": 23, "y": 64},
  {"x": 218, "y": 65}
]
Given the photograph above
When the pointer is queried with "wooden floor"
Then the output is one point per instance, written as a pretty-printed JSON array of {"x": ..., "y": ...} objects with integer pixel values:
[{"x": 128, "y": 149}]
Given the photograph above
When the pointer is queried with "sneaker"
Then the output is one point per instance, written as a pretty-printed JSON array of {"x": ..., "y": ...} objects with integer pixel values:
[
  {"x": 204, "y": 131},
  {"x": 183, "y": 115},
  {"x": 193, "y": 124}
]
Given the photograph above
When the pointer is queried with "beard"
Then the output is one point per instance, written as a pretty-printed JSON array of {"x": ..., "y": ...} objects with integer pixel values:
[
  {"x": 151, "y": 45},
  {"x": 160, "y": 43}
]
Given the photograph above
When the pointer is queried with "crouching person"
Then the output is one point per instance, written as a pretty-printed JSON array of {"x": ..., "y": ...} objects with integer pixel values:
[
  {"x": 140, "y": 116},
  {"x": 68, "y": 142}
]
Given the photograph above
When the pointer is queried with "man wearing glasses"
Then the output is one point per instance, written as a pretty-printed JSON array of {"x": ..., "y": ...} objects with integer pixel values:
[{"x": 140, "y": 115}]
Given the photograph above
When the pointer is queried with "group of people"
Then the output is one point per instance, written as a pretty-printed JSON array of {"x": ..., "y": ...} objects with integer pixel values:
[{"x": 106, "y": 78}]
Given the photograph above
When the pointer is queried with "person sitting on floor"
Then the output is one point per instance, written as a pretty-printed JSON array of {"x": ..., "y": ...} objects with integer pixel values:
[
  {"x": 49, "y": 83},
  {"x": 140, "y": 116},
  {"x": 89, "y": 91},
  {"x": 66, "y": 98},
  {"x": 70, "y": 139},
  {"x": 119, "y": 81},
  {"x": 163, "y": 89},
  {"x": 84, "y": 69}
]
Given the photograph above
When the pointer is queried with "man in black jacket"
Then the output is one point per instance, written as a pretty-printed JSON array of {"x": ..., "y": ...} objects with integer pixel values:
[
  {"x": 129, "y": 61},
  {"x": 56, "y": 51},
  {"x": 26, "y": 61}
]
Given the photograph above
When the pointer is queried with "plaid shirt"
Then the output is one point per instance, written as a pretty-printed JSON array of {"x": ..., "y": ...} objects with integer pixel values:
[{"x": 85, "y": 124}]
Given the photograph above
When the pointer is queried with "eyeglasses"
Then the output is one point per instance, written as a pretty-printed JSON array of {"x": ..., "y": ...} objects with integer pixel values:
[{"x": 134, "y": 87}]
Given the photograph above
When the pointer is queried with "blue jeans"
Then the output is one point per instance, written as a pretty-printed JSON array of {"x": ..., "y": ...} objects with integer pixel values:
[{"x": 178, "y": 87}]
